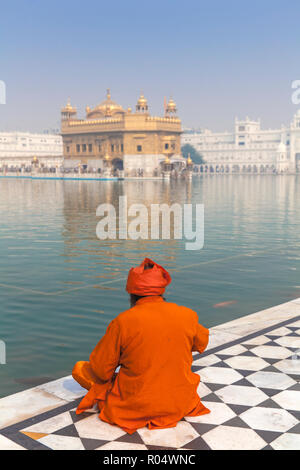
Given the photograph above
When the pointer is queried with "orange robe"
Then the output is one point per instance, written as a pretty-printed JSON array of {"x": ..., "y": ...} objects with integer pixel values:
[{"x": 152, "y": 343}]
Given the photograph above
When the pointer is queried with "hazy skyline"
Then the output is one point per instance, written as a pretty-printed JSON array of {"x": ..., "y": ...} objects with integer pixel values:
[{"x": 217, "y": 59}]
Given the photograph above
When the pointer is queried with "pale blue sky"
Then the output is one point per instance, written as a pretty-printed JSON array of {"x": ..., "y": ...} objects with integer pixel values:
[{"x": 218, "y": 59}]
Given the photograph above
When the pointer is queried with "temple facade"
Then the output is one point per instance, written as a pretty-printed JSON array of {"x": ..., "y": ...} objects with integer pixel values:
[
  {"x": 115, "y": 140},
  {"x": 249, "y": 148},
  {"x": 20, "y": 149}
]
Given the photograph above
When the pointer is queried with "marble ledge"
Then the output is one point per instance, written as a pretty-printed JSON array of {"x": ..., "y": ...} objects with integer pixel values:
[
  {"x": 263, "y": 319},
  {"x": 26, "y": 404}
]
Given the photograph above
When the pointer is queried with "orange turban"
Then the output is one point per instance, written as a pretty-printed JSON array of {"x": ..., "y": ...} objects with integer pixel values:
[{"x": 147, "y": 279}]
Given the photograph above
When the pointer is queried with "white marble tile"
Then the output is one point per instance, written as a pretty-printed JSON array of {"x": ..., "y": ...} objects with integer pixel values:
[
  {"x": 289, "y": 341},
  {"x": 232, "y": 438},
  {"x": 241, "y": 395},
  {"x": 65, "y": 388},
  {"x": 219, "y": 375},
  {"x": 269, "y": 419},
  {"x": 114, "y": 445},
  {"x": 7, "y": 444},
  {"x": 51, "y": 425},
  {"x": 288, "y": 441},
  {"x": 56, "y": 442},
  {"x": 170, "y": 437},
  {"x": 206, "y": 361},
  {"x": 282, "y": 331},
  {"x": 272, "y": 352},
  {"x": 203, "y": 390},
  {"x": 219, "y": 337},
  {"x": 23, "y": 405},
  {"x": 274, "y": 380},
  {"x": 94, "y": 428},
  {"x": 219, "y": 413},
  {"x": 257, "y": 340},
  {"x": 233, "y": 350},
  {"x": 289, "y": 366},
  {"x": 288, "y": 399},
  {"x": 246, "y": 362}
]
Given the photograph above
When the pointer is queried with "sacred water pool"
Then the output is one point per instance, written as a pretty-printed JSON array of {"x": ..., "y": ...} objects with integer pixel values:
[{"x": 60, "y": 285}]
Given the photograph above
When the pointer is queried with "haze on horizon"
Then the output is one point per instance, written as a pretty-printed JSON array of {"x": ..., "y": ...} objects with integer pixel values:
[{"x": 217, "y": 59}]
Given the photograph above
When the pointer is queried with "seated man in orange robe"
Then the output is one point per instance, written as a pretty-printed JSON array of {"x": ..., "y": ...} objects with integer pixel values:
[{"x": 152, "y": 342}]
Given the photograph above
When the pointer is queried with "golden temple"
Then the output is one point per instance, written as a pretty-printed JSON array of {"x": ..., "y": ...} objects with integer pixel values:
[{"x": 118, "y": 139}]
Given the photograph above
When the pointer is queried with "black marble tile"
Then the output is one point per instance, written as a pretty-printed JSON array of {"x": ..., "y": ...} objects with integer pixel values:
[
  {"x": 268, "y": 436},
  {"x": 295, "y": 429},
  {"x": 270, "y": 391},
  {"x": 238, "y": 409},
  {"x": 134, "y": 438},
  {"x": 92, "y": 444},
  {"x": 197, "y": 444},
  {"x": 236, "y": 422},
  {"x": 268, "y": 404},
  {"x": 70, "y": 431},
  {"x": 202, "y": 428},
  {"x": 212, "y": 397},
  {"x": 214, "y": 387},
  {"x": 244, "y": 382}
]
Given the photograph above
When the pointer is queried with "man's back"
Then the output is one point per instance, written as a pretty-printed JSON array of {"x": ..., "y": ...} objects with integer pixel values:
[
  {"x": 152, "y": 342},
  {"x": 155, "y": 384}
]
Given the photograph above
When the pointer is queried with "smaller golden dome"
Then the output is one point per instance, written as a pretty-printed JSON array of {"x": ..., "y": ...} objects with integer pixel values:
[
  {"x": 142, "y": 100},
  {"x": 171, "y": 107},
  {"x": 142, "y": 103},
  {"x": 167, "y": 160},
  {"x": 68, "y": 108}
]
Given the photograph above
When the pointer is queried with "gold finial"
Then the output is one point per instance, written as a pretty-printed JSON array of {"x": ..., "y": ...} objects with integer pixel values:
[
  {"x": 189, "y": 160},
  {"x": 106, "y": 157},
  {"x": 171, "y": 107},
  {"x": 68, "y": 108},
  {"x": 108, "y": 95},
  {"x": 167, "y": 160},
  {"x": 142, "y": 103}
]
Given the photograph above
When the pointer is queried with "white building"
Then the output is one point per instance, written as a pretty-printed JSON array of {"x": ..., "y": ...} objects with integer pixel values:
[
  {"x": 249, "y": 148},
  {"x": 19, "y": 149}
]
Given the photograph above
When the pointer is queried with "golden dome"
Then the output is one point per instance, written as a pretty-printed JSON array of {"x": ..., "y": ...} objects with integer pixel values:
[
  {"x": 171, "y": 106},
  {"x": 68, "y": 108},
  {"x": 142, "y": 103},
  {"x": 142, "y": 100},
  {"x": 107, "y": 108}
]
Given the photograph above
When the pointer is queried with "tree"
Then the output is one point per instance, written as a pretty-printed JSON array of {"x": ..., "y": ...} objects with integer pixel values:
[{"x": 195, "y": 156}]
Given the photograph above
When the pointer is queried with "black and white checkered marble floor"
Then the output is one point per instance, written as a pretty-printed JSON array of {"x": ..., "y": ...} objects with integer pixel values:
[{"x": 251, "y": 386}]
